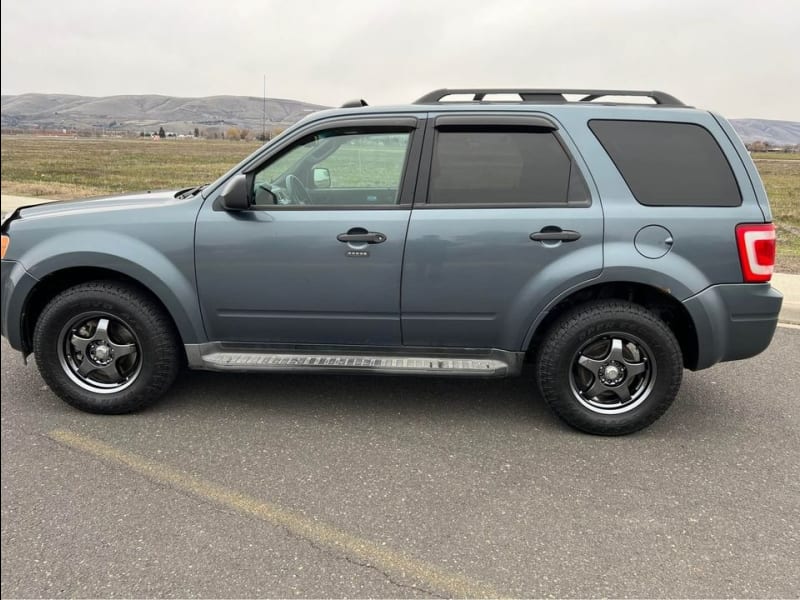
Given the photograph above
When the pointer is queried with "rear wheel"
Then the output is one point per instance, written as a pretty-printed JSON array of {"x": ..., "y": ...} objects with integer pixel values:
[
  {"x": 106, "y": 347},
  {"x": 609, "y": 367}
]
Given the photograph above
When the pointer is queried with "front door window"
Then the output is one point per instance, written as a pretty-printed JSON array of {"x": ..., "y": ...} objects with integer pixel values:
[{"x": 336, "y": 168}]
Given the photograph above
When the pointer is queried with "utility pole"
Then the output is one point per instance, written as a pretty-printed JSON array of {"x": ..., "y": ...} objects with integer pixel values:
[{"x": 264, "y": 116}]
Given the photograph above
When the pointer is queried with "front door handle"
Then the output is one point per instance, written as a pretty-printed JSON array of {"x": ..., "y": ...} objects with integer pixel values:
[
  {"x": 555, "y": 234},
  {"x": 359, "y": 235}
]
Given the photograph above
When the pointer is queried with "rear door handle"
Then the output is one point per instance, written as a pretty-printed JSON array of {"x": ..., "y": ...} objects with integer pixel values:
[
  {"x": 555, "y": 234},
  {"x": 359, "y": 235}
]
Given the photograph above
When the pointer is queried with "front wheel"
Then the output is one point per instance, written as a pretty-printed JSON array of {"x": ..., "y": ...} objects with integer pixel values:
[
  {"x": 609, "y": 367},
  {"x": 106, "y": 347}
]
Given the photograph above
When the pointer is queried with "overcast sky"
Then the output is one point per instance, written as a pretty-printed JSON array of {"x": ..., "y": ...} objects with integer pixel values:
[{"x": 739, "y": 57}]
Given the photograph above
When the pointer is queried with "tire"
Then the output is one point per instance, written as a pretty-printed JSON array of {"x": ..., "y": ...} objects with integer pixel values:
[
  {"x": 106, "y": 347},
  {"x": 609, "y": 367}
]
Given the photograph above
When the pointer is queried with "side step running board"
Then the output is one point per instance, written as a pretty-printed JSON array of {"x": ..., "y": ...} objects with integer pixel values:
[{"x": 494, "y": 363}]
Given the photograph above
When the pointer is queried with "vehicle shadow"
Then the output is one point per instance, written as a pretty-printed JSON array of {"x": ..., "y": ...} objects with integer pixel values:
[
  {"x": 417, "y": 398},
  {"x": 338, "y": 396}
]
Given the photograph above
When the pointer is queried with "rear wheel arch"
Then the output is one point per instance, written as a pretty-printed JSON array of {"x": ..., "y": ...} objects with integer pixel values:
[{"x": 662, "y": 304}]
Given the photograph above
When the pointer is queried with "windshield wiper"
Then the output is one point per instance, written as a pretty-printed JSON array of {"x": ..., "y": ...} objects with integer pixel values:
[{"x": 193, "y": 191}]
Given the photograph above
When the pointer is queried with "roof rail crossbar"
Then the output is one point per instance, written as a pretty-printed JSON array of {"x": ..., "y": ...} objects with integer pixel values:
[{"x": 547, "y": 95}]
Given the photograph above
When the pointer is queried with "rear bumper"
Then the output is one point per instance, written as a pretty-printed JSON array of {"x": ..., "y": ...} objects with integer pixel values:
[
  {"x": 16, "y": 284},
  {"x": 733, "y": 321}
]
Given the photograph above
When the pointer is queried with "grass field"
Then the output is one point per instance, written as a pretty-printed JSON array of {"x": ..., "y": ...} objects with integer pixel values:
[
  {"x": 782, "y": 180},
  {"x": 776, "y": 155},
  {"x": 63, "y": 168},
  {"x": 67, "y": 168}
]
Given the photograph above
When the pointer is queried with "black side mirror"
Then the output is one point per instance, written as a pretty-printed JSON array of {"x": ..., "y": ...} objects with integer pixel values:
[{"x": 236, "y": 195}]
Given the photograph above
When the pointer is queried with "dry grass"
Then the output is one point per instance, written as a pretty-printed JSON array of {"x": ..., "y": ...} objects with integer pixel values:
[
  {"x": 782, "y": 180},
  {"x": 775, "y": 155},
  {"x": 68, "y": 168}
]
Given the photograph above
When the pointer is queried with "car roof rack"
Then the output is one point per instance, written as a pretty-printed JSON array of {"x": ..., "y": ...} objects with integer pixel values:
[{"x": 544, "y": 95}]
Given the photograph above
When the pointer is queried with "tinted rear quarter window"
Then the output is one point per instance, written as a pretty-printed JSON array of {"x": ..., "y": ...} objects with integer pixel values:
[{"x": 669, "y": 164}]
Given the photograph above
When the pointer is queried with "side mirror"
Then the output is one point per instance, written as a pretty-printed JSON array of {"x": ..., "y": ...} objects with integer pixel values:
[
  {"x": 322, "y": 177},
  {"x": 236, "y": 195}
]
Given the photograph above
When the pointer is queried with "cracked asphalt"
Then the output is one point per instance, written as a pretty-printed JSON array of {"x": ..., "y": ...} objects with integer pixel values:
[{"x": 344, "y": 486}]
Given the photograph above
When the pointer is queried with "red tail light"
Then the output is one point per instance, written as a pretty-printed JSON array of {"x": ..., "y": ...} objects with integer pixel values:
[{"x": 756, "y": 251}]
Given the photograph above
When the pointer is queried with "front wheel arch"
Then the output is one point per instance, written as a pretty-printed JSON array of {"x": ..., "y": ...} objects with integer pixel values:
[{"x": 58, "y": 281}]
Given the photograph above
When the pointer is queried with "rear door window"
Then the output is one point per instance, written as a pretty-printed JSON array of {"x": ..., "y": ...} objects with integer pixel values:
[{"x": 503, "y": 167}]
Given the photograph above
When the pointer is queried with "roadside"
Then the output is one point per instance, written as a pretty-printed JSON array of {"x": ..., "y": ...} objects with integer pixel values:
[
  {"x": 11, "y": 203},
  {"x": 786, "y": 283},
  {"x": 789, "y": 286}
]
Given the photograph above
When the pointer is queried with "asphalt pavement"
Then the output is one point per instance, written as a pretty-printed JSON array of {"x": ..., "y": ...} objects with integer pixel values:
[{"x": 344, "y": 486}]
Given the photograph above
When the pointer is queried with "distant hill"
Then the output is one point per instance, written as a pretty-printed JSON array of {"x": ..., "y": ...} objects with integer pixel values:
[
  {"x": 775, "y": 133},
  {"x": 149, "y": 112},
  {"x": 137, "y": 113}
]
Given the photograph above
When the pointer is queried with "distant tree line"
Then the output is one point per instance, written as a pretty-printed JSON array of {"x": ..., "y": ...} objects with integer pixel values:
[
  {"x": 211, "y": 132},
  {"x": 761, "y": 146}
]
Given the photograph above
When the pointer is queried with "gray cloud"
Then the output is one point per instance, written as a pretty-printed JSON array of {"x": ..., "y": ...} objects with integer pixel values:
[{"x": 739, "y": 57}]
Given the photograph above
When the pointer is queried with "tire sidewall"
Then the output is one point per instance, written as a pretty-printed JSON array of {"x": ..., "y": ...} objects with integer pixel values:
[
  {"x": 602, "y": 319},
  {"x": 66, "y": 307}
]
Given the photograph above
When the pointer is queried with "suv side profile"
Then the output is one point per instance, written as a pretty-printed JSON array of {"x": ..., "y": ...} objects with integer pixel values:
[{"x": 611, "y": 244}]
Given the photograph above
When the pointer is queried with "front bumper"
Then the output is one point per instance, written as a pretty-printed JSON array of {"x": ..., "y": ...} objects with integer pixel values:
[
  {"x": 733, "y": 321},
  {"x": 16, "y": 285}
]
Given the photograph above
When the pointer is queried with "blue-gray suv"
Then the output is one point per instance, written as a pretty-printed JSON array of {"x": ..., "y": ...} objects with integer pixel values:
[{"x": 610, "y": 238}]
